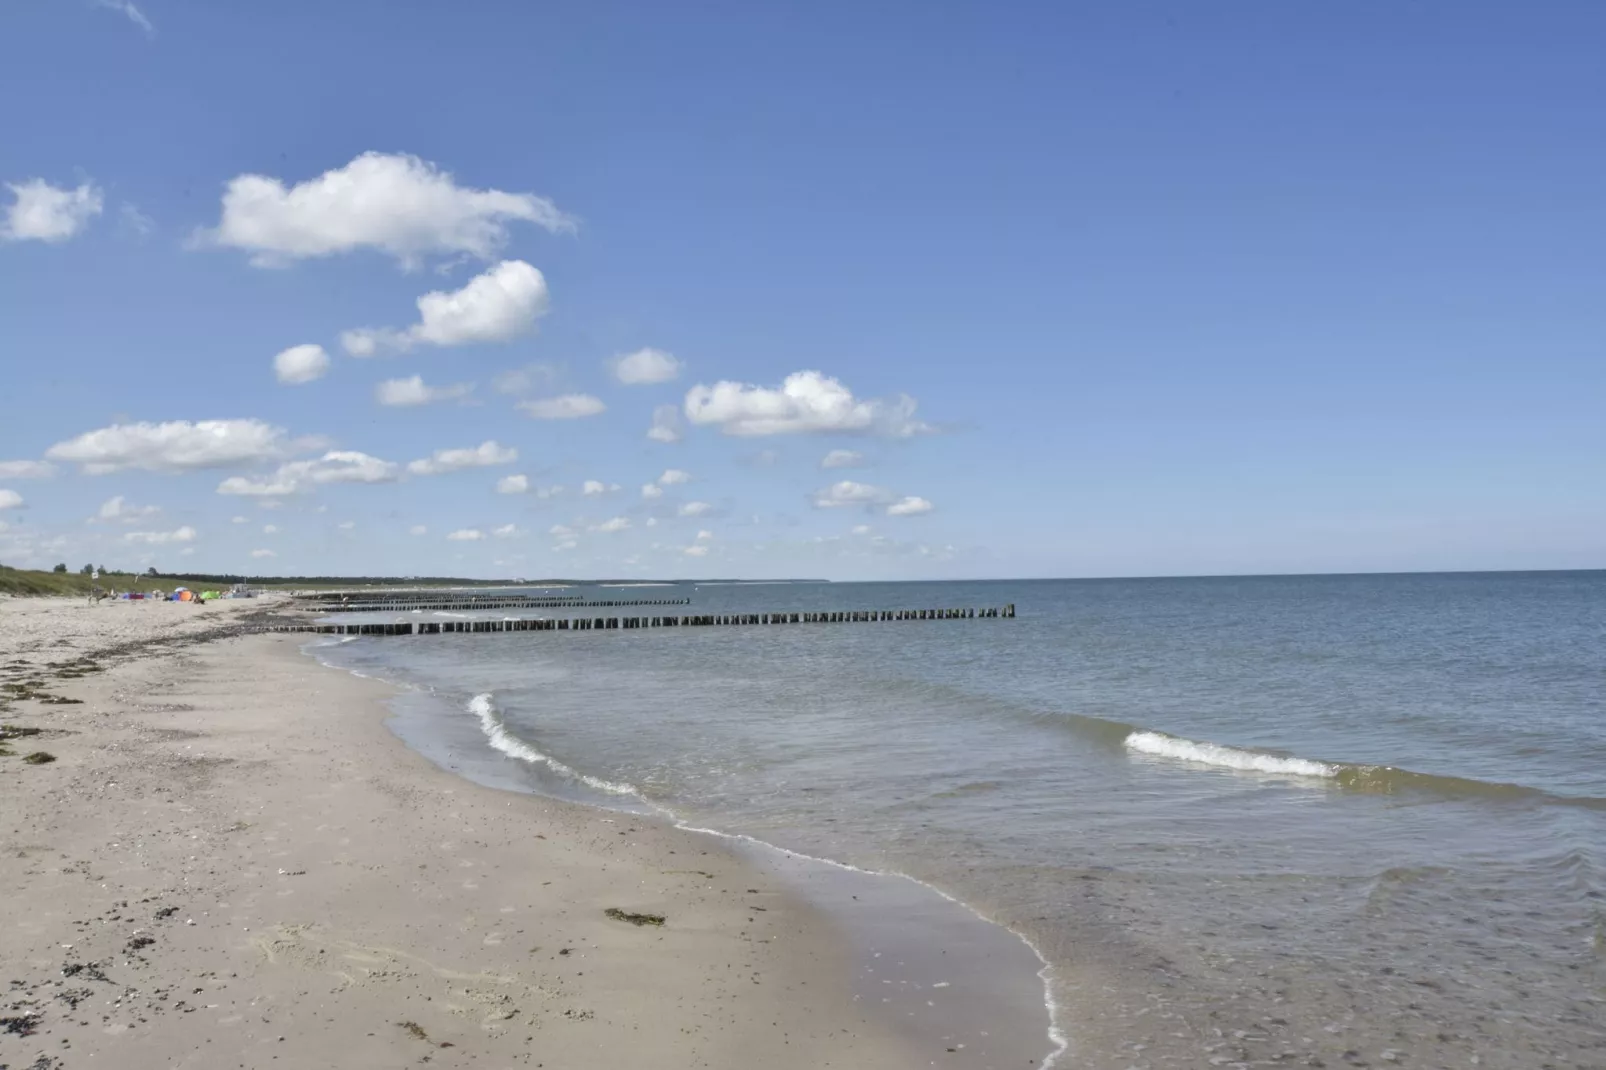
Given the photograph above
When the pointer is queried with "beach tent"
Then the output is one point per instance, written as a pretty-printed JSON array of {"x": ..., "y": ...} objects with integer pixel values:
[{"x": 207, "y": 596}]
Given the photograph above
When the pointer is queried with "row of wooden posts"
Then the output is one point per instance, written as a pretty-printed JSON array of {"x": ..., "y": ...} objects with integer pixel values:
[
  {"x": 512, "y": 602},
  {"x": 586, "y": 624}
]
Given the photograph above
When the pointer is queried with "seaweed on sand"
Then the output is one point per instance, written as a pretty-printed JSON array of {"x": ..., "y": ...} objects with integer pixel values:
[{"x": 635, "y": 919}]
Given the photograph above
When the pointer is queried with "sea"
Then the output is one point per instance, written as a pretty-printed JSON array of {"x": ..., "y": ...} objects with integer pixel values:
[{"x": 1238, "y": 822}]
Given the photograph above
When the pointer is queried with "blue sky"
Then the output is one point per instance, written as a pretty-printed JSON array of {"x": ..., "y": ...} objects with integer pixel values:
[{"x": 1088, "y": 290}]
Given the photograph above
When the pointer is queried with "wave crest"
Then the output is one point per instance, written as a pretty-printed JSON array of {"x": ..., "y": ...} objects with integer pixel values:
[
  {"x": 1187, "y": 750},
  {"x": 497, "y": 734}
]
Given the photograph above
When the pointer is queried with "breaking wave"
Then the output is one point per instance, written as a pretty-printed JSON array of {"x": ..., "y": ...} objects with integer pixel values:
[
  {"x": 1186, "y": 750},
  {"x": 497, "y": 734},
  {"x": 1373, "y": 779}
]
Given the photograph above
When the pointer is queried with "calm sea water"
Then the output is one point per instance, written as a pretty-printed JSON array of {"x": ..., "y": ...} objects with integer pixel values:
[{"x": 1353, "y": 820}]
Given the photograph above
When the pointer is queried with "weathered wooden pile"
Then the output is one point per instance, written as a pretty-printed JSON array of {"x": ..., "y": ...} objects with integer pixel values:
[{"x": 587, "y": 624}]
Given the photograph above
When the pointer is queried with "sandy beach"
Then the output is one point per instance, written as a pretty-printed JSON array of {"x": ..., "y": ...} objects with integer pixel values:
[{"x": 231, "y": 862}]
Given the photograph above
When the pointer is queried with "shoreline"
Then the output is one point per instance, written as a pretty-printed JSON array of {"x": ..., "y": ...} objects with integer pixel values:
[
  {"x": 234, "y": 861},
  {"x": 893, "y": 919}
]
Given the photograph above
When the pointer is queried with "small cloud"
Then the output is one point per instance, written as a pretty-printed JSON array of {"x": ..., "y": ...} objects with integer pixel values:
[
  {"x": 843, "y": 459},
  {"x": 135, "y": 222},
  {"x": 705, "y": 536},
  {"x": 696, "y": 550},
  {"x": 238, "y": 520},
  {"x": 909, "y": 506},
  {"x": 484, "y": 455},
  {"x": 466, "y": 535},
  {"x": 10, "y": 499},
  {"x": 26, "y": 470},
  {"x": 418, "y": 529},
  {"x": 563, "y": 407},
  {"x": 346, "y": 525},
  {"x": 132, "y": 13},
  {"x": 665, "y": 424},
  {"x": 525, "y": 380},
  {"x": 561, "y": 531},
  {"x": 618, "y": 523},
  {"x": 519, "y": 484},
  {"x": 270, "y": 529},
  {"x": 696, "y": 509},
  {"x": 300, "y": 364},
  {"x": 117, "y": 509},
  {"x": 263, "y": 553},
  {"x": 674, "y": 476},
  {"x": 506, "y": 531},
  {"x": 847, "y": 492},
  {"x": 594, "y": 488},
  {"x": 42, "y": 212},
  {"x": 652, "y": 490},
  {"x": 391, "y": 202},
  {"x": 806, "y": 402},
  {"x": 158, "y": 538},
  {"x": 405, "y": 393},
  {"x": 644, "y": 367},
  {"x": 861, "y": 529}
]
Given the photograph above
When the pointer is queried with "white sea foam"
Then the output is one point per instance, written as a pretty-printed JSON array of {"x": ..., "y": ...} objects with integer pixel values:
[
  {"x": 499, "y": 737},
  {"x": 1161, "y": 745}
]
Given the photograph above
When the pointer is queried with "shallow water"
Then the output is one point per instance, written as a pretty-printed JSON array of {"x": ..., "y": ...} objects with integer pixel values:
[{"x": 1247, "y": 821}]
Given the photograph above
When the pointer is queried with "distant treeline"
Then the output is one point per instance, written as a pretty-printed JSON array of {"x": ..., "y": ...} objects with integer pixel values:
[{"x": 421, "y": 581}]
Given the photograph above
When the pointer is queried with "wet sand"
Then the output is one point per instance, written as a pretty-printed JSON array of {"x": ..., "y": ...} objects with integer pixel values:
[{"x": 232, "y": 862}]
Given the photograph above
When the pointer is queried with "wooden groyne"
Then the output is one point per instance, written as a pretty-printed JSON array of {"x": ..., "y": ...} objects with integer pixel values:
[
  {"x": 588, "y": 624},
  {"x": 400, "y": 606}
]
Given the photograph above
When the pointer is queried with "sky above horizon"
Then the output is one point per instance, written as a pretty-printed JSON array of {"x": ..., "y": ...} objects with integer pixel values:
[{"x": 845, "y": 291}]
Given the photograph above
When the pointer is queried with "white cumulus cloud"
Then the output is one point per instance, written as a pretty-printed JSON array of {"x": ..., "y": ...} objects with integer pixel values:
[
  {"x": 175, "y": 446},
  {"x": 563, "y": 407},
  {"x": 497, "y": 306},
  {"x": 506, "y": 531},
  {"x": 644, "y": 367},
  {"x": 842, "y": 459},
  {"x": 10, "y": 499},
  {"x": 593, "y": 488},
  {"x": 696, "y": 509},
  {"x": 696, "y": 550},
  {"x": 484, "y": 455},
  {"x": 157, "y": 538},
  {"x": 909, "y": 506},
  {"x": 346, "y": 525},
  {"x": 260, "y": 554},
  {"x": 652, "y": 490},
  {"x": 519, "y": 484},
  {"x": 805, "y": 402},
  {"x": 395, "y": 203},
  {"x": 26, "y": 470},
  {"x": 301, "y": 364},
  {"x": 270, "y": 529},
  {"x": 561, "y": 531},
  {"x": 847, "y": 492},
  {"x": 42, "y": 212},
  {"x": 418, "y": 529},
  {"x": 705, "y": 536},
  {"x": 466, "y": 535},
  {"x": 618, "y": 523},
  {"x": 673, "y": 476},
  {"x": 336, "y": 466},
  {"x": 413, "y": 391}
]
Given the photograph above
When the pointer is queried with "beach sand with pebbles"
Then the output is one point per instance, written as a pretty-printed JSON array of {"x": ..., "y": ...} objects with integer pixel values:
[{"x": 230, "y": 862}]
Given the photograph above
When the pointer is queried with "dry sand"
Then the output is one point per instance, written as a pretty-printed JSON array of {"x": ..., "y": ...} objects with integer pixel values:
[{"x": 232, "y": 863}]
